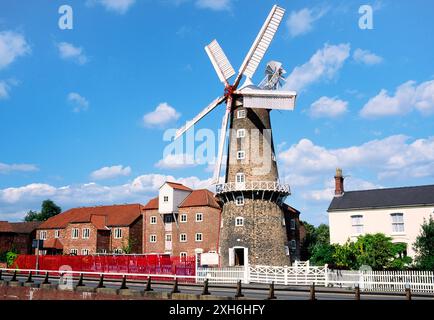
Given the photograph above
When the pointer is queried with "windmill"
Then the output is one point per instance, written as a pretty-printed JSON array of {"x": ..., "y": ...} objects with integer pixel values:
[
  {"x": 252, "y": 231},
  {"x": 252, "y": 97}
]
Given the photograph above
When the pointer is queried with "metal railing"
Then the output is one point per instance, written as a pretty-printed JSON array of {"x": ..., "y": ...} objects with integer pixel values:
[{"x": 253, "y": 186}]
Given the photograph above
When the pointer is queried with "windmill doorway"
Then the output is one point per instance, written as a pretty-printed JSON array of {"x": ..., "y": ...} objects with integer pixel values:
[{"x": 239, "y": 256}]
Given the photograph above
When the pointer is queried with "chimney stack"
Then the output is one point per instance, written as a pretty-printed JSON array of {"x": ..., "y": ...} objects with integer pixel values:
[{"x": 339, "y": 183}]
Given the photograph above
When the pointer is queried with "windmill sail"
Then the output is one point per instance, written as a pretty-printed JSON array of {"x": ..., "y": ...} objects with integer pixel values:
[
  {"x": 220, "y": 62},
  {"x": 262, "y": 42}
]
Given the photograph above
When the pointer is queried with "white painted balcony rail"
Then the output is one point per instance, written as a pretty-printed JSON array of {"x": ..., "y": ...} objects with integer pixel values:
[{"x": 253, "y": 186}]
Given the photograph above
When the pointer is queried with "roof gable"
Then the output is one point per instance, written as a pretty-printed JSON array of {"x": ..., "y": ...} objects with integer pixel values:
[
  {"x": 178, "y": 186},
  {"x": 200, "y": 198},
  {"x": 384, "y": 198}
]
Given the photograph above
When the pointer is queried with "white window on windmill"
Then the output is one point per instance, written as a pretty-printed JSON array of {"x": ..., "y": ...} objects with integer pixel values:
[
  {"x": 241, "y": 155},
  {"x": 239, "y": 221},
  {"x": 241, "y": 133},
  {"x": 239, "y": 201},
  {"x": 241, "y": 114},
  {"x": 240, "y": 177}
]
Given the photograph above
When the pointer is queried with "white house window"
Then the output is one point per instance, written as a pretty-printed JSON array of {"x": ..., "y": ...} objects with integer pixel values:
[
  {"x": 183, "y": 218},
  {"x": 153, "y": 238},
  {"x": 57, "y": 234},
  {"x": 85, "y": 233},
  {"x": 168, "y": 237},
  {"x": 240, "y": 177},
  {"x": 166, "y": 199},
  {"x": 293, "y": 244},
  {"x": 153, "y": 220},
  {"x": 241, "y": 133},
  {"x": 239, "y": 201},
  {"x": 183, "y": 237},
  {"x": 73, "y": 251},
  {"x": 292, "y": 224},
  {"x": 283, "y": 221},
  {"x": 199, "y": 217},
  {"x": 75, "y": 232},
  {"x": 183, "y": 255},
  {"x": 357, "y": 224},
  {"x": 397, "y": 222},
  {"x": 118, "y": 233},
  {"x": 239, "y": 221},
  {"x": 84, "y": 252},
  {"x": 117, "y": 251},
  {"x": 199, "y": 237},
  {"x": 287, "y": 250},
  {"x": 241, "y": 114},
  {"x": 241, "y": 155},
  {"x": 43, "y": 235}
]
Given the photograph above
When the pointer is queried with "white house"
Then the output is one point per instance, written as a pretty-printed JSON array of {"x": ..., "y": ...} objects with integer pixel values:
[{"x": 396, "y": 212}]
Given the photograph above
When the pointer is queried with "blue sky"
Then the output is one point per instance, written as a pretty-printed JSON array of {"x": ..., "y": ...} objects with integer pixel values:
[{"x": 83, "y": 111}]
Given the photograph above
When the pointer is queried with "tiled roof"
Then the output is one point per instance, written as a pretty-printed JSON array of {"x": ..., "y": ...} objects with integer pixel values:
[
  {"x": 53, "y": 244},
  {"x": 179, "y": 186},
  {"x": 384, "y": 198},
  {"x": 116, "y": 215},
  {"x": 152, "y": 204},
  {"x": 19, "y": 227},
  {"x": 200, "y": 198},
  {"x": 289, "y": 208}
]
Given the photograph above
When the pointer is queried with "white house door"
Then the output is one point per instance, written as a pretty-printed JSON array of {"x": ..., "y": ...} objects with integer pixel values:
[{"x": 168, "y": 242}]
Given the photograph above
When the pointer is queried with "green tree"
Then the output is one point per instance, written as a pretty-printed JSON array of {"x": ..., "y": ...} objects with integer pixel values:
[
  {"x": 127, "y": 247},
  {"x": 48, "y": 209},
  {"x": 323, "y": 254},
  {"x": 374, "y": 250},
  {"x": 344, "y": 256},
  {"x": 424, "y": 246},
  {"x": 308, "y": 242}
]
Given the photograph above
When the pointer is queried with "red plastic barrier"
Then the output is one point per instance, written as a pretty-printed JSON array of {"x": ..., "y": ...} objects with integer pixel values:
[{"x": 149, "y": 264}]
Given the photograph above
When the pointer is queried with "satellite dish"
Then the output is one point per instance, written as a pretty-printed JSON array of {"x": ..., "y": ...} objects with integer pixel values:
[{"x": 274, "y": 76}]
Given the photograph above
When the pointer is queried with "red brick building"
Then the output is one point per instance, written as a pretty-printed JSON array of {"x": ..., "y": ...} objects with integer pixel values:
[
  {"x": 17, "y": 236},
  {"x": 181, "y": 221},
  {"x": 90, "y": 230}
]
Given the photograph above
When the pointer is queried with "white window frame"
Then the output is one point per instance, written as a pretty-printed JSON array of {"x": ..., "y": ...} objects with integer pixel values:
[
  {"x": 73, "y": 251},
  {"x": 56, "y": 234},
  {"x": 83, "y": 233},
  {"x": 241, "y": 114},
  {"x": 75, "y": 232},
  {"x": 168, "y": 237},
  {"x": 198, "y": 237},
  {"x": 241, "y": 155},
  {"x": 183, "y": 218},
  {"x": 165, "y": 198},
  {"x": 398, "y": 225},
  {"x": 118, "y": 251},
  {"x": 292, "y": 224},
  {"x": 181, "y": 236},
  {"x": 241, "y": 133},
  {"x": 239, "y": 222},
  {"x": 183, "y": 254},
  {"x": 85, "y": 252},
  {"x": 43, "y": 235},
  {"x": 153, "y": 238},
  {"x": 153, "y": 220},
  {"x": 239, "y": 200},
  {"x": 357, "y": 226},
  {"x": 240, "y": 177},
  {"x": 117, "y": 233},
  {"x": 199, "y": 217}
]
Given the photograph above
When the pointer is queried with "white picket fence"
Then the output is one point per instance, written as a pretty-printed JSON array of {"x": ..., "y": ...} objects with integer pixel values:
[{"x": 304, "y": 274}]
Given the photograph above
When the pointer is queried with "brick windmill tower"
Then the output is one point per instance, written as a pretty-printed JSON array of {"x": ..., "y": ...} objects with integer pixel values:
[{"x": 253, "y": 229}]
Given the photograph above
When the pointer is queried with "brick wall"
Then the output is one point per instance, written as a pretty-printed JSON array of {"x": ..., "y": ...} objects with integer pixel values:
[{"x": 80, "y": 243}]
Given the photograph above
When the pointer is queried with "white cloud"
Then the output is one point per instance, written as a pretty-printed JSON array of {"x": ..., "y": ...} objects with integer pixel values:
[
  {"x": 177, "y": 161},
  {"x": 328, "y": 107},
  {"x": 407, "y": 97},
  {"x": 118, "y": 6},
  {"x": 8, "y": 168},
  {"x": 140, "y": 190},
  {"x": 162, "y": 115},
  {"x": 392, "y": 156},
  {"x": 68, "y": 51},
  {"x": 79, "y": 103},
  {"x": 217, "y": 5},
  {"x": 366, "y": 57},
  {"x": 325, "y": 63},
  {"x": 12, "y": 46},
  {"x": 301, "y": 22},
  {"x": 110, "y": 172},
  {"x": 4, "y": 90}
]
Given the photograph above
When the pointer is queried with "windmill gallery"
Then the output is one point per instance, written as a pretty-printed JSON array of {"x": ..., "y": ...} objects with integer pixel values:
[{"x": 250, "y": 190}]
